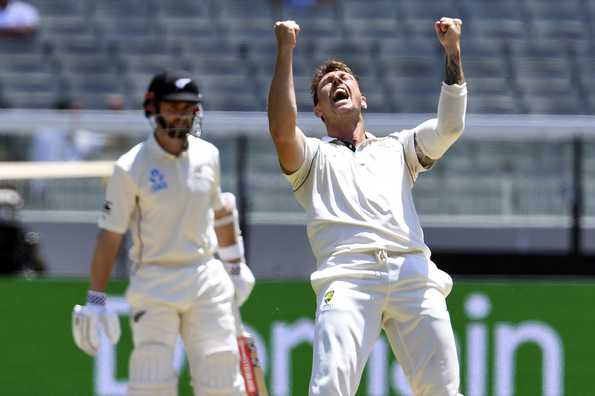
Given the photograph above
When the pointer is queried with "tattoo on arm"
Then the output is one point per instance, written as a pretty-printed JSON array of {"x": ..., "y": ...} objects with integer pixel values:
[{"x": 453, "y": 71}]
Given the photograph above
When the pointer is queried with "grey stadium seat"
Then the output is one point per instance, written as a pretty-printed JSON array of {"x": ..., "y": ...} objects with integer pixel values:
[
  {"x": 493, "y": 103},
  {"x": 567, "y": 104}
]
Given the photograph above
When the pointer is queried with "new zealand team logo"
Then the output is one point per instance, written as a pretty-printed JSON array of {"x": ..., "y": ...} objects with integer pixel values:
[
  {"x": 107, "y": 207},
  {"x": 157, "y": 180}
]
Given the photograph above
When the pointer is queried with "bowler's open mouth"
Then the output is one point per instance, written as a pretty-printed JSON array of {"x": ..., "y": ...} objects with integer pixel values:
[{"x": 340, "y": 94}]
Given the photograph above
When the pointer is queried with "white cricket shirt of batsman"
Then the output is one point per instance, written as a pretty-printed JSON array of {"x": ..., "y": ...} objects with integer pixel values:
[
  {"x": 166, "y": 201},
  {"x": 359, "y": 201}
]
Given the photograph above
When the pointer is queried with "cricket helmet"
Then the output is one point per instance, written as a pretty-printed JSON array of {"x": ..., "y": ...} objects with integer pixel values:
[{"x": 173, "y": 86}]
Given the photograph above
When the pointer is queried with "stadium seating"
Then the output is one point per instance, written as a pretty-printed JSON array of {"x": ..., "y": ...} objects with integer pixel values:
[
  {"x": 508, "y": 43},
  {"x": 530, "y": 56}
]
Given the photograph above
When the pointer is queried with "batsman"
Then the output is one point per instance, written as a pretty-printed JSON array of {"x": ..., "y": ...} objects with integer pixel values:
[
  {"x": 374, "y": 270},
  {"x": 166, "y": 191}
]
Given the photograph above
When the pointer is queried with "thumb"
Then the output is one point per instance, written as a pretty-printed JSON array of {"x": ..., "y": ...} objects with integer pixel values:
[
  {"x": 438, "y": 28},
  {"x": 93, "y": 332},
  {"x": 111, "y": 325}
]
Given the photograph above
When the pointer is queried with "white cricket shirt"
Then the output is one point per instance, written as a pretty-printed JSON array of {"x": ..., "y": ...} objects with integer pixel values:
[
  {"x": 167, "y": 202},
  {"x": 359, "y": 201}
]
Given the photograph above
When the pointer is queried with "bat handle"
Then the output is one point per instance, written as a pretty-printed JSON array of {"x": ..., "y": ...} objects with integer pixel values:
[
  {"x": 249, "y": 363},
  {"x": 247, "y": 366}
]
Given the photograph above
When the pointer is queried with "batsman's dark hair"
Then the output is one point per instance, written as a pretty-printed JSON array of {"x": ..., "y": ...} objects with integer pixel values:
[{"x": 328, "y": 66}]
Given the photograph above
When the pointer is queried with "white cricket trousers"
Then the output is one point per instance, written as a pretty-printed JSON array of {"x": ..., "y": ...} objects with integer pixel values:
[
  {"x": 194, "y": 302},
  {"x": 360, "y": 294}
]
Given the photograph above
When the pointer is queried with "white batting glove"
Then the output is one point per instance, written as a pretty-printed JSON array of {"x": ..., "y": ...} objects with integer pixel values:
[
  {"x": 90, "y": 319},
  {"x": 242, "y": 278}
]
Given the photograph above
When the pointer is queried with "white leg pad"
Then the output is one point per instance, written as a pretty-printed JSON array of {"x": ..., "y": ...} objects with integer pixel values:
[
  {"x": 151, "y": 371},
  {"x": 218, "y": 374}
]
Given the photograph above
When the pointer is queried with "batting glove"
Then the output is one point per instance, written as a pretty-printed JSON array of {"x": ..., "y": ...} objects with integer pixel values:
[
  {"x": 89, "y": 320},
  {"x": 242, "y": 278}
]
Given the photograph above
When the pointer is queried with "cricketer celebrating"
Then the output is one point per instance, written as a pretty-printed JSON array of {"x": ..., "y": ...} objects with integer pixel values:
[
  {"x": 166, "y": 190},
  {"x": 373, "y": 268}
]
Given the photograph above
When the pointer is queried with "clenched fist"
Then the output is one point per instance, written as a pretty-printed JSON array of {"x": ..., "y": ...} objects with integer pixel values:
[
  {"x": 449, "y": 33},
  {"x": 286, "y": 33}
]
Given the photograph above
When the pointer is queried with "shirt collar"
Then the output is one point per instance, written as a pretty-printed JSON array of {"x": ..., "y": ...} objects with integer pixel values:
[
  {"x": 329, "y": 139},
  {"x": 157, "y": 150}
]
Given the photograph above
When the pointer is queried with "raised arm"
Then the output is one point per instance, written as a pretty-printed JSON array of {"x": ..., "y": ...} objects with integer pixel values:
[
  {"x": 449, "y": 34},
  {"x": 434, "y": 137},
  {"x": 282, "y": 108}
]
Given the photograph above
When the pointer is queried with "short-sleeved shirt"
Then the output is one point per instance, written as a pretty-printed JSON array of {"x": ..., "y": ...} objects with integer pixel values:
[
  {"x": 167, "y": 202},
  {"x": 359, "y": 201},
  {"x": 18, "y": 14}
]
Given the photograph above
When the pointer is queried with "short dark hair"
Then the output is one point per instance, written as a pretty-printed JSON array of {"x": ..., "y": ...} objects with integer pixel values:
[{"x": 329, "y": 66}]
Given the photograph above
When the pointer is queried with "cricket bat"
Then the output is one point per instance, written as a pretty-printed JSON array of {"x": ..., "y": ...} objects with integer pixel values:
[{"x": 249, "y": 363}]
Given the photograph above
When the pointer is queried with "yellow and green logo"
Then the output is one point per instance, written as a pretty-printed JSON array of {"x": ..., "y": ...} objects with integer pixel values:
[{"x": 328, "y": 296}]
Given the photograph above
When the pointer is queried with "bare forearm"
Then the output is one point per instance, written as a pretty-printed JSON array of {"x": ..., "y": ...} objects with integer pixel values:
[
  {"x": 448, "y": 31},
  {"x": 282, "y": 108},
  {"x": 106, "y": 250},
  {"x": 226, "y": 233},
  {"x": 453, "y": 69},
  {"x": 227, "y": 237}
]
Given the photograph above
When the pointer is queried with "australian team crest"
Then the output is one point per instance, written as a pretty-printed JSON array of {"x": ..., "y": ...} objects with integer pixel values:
[
  {"x": 327, "y": 301},
  {"x": 157, "y": 180}
]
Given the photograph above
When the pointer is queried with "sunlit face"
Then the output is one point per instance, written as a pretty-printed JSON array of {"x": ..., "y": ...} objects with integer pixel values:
[
  {"x": 178, "y": 114},
  {"x": 339, "y": 94}
]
